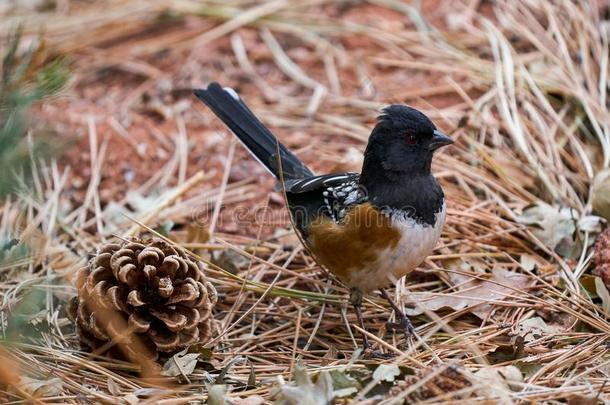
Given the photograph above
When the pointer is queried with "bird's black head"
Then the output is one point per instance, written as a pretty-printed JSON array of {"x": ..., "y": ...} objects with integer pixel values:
[
  {"x": 396, "y": 170},
  {"x": 403, "y": 142}
]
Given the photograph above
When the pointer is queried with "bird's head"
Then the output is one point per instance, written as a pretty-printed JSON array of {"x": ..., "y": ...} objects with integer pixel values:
[{"x": 403, "y": 142}]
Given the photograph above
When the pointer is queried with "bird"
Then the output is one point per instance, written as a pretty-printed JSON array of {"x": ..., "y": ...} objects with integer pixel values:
[{"x": 370, "y": 228}]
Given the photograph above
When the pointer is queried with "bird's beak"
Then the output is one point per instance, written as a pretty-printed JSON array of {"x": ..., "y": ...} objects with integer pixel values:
[{"x": 438, "y": 140}]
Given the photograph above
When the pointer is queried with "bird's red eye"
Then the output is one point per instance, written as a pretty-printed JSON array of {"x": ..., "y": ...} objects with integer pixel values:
[{"x": 410, "y": 140}]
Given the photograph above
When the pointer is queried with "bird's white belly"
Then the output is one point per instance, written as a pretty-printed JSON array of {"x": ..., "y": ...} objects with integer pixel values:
[{"x": 416, "y": 243}]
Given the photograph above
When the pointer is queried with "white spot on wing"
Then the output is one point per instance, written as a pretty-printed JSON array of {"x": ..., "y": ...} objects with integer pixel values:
[
  {"x": 334, "y": 178},
  {"x": 305, "y": 184},
  {"x": 352, "y": 197},
  {"x": 232, "y": 93}
]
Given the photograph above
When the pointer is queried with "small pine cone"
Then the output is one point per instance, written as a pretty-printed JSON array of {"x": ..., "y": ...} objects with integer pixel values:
[
  {"x": 601, "y": 257},
  {"x": 147, "y": 297}
]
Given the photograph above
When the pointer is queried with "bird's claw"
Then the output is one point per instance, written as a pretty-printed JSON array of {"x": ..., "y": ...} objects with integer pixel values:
[{"x": 404, "y": 325}]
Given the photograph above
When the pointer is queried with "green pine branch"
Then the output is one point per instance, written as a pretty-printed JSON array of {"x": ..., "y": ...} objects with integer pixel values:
[{"x": 26, "y": 79}]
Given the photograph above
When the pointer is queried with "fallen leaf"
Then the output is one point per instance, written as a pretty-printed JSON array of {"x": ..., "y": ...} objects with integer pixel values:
[
  {"x": 528, "y": 262},
  {"x": 600, "y": 194},
  {"x": 43, "y": 388},
  {"x": 386, "y": 372},
  {"x": 528, "y": 369},
  {"x": 131, "y": 399},
  {"x": 512, "y": 375},
  {"x": 493, "y": 382},
  {"x": 535, "y": 328},
  {"x": 206, "y": 352},
  {"x": 591, "y": 223},
  {"x": 113, "y": 387},
  {"x": 227, "y": 367},
  {"x": 252, "y": 377},
  {"x": 603, "y": 293},
  {"x": 472, "y": 293},
  {"x": 345, "y": 392},
  {"x": 505, "y": 352},
  {"x": 252, "y": 400},
  {"x": 217, "y": 394},
  {"x": 181, "y": 363},
  {"x": 554, "y": 226},
  {"x": 587, "y": 281},
  {"x": 342, "y": 380},
  {"x": 305, "y": 392}
]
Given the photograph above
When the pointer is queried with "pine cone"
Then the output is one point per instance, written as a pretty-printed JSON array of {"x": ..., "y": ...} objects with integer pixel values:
[
  {"x": 601, "y": 257},
  {"x": 143, "y": 296}
]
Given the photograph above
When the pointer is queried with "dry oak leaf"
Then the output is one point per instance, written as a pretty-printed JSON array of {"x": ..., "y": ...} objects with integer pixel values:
[
  {"x": 534, "y": 328},
  {"x": 492, "y": 381},
  {"x": 478, "y": 295}
]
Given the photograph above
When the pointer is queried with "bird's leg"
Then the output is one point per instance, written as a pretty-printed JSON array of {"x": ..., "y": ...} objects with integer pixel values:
[
  {"x": 355, "y": 298},
  {"x": 405, "y": 323}
]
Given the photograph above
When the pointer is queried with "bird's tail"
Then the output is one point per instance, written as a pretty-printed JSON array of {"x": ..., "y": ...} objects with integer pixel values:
[{"x": 229, "y": 107}]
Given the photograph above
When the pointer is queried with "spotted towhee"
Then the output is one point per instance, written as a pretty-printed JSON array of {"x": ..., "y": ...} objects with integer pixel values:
[{"x": 368, "y": 229}]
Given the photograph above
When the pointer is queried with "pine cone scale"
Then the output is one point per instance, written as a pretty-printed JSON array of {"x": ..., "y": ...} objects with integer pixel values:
[
  {"x": 150, "y": 255},
  {"x": 150, "y": 272},
  {"x": 187, "y": 338},
  {"x": 116, "y": 299},
  {"x": 165, "y": 342},
  {"x": 138, "y": 323},
  {"x": 185, "y": 292},
  {"x": 99, "y": 274},
  {"x": 169, "y": 267},
  {"x": 103, "y": 259},
  {"x": 192, "y": 317},
  {"x": 166, "y": 289},
  {"x": 172, "y": 320},
  {"x": 134, "y": 298},
  {"x": 129, "y": 274},
  {"x": 96, "y": 329},
  {"x": 99, "y": 292}
]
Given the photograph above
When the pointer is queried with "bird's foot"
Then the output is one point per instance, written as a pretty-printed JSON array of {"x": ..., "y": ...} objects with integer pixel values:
[{"x": 404, "y": 325}]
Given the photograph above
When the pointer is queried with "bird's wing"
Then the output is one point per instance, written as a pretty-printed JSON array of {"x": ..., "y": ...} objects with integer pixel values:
[
  {"x": 336, "y": 193},
  {"x": 320, "y": 182}
]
